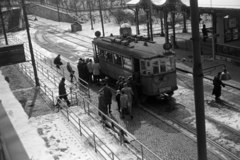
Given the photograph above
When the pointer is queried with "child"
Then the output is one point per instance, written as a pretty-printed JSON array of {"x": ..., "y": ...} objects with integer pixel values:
[{"x": 118, "y": 95}]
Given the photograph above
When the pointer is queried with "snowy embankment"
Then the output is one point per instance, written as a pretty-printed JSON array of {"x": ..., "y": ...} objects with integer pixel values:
[{"x": 32, "y": 142}]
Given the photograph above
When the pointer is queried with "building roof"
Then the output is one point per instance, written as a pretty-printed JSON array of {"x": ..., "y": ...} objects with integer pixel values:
[{"x": 230, "y": 4}]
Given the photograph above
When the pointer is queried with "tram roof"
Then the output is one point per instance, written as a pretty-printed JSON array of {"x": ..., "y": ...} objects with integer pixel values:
[
  {"x": 137, "y": 50},
  {"x": 229, "y": 4}
]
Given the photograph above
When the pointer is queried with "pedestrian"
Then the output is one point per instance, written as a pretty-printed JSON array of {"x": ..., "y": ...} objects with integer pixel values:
[
  {"x": 107, "y": 96},
  {"x": 90, "y": 70},
  {"x": 57, "y": 61},
  {"x": 133, "y": 85},
  {"x": 118, "y": 81},
  {"x": 121, "y": 83},
  {"x": 62, "y": 92},
  {"x": 118, "y": 95},
  {"x": 217, "y": 86},
  {"x": 123, "y": 103},
  {"x": 71, "y": 71},
  {"x": 96, "y": 72},
  {"x": 128, "y": 91},
  {"x": 205, "y": 33},
  {"x": 81, "y": 70},
  {"x": 101, "y": 105}
]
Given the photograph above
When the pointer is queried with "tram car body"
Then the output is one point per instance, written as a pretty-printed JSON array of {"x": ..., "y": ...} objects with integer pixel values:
[{"x": 129, "y": 56}]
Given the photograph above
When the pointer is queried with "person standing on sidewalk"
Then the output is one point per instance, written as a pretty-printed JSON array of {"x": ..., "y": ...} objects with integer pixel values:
[
  {"x": 71, "y": 71},
  {"x": 217, "y": 86},
  {"x": 90, "y": 70},
  {"x": 128, "y": 91},
  {"x": 96, "y": 72},
  {"x": 107, "y": 96},
  {"x": 205, "y": 33},
  {"x": 62, "y": 92},
  {"x": 102, "y": 106},
  {"x": 57, "y": 61}
]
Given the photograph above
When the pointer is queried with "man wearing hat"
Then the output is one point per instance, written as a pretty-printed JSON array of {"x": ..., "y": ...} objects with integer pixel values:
[{"x": 107, "y": 96}]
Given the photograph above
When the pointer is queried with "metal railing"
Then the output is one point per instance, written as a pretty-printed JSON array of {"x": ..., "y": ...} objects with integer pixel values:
[
  {"x": 228, "y": 51},
  {"x": 82, "y": 85},
  {"x": 85, "y": 131}
]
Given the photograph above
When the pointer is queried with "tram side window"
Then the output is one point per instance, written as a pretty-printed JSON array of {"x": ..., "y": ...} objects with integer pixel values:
[
  {"x": 109, "y": 57},
  {"x": 143, "y": 67},
  {"x": 101, "y": 54},
  {"x": 117, "y": 59},
  {"x": 127, "y": 63},
  {"x": 156, "y": 66}
]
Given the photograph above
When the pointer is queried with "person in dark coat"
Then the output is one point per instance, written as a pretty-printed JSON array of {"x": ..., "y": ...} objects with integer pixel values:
[
  {"x": 81, "y": 70},
  {"x": 205, "y": 33},
  {"x": 217, "y": 86},
  {"x": 133, "y": 85},
  {"x": 107, "y": 96},
  {"x": 118, "y": 81},
  {"x": 121, "y": 83},
  {"x": 101, "y": 105},
  {"x": 118, "y": 96},
  {"x": 62, "y": 92},
  {"x": 71, "y": 71},
  {"x": 57, "y": 61}
]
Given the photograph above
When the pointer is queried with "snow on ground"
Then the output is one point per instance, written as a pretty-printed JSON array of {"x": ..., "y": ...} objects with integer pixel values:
[{"x": 27, "y": 133}]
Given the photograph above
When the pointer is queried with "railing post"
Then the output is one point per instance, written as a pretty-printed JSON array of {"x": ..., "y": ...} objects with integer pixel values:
[
  {"x": 142, "y": 152},
  {"x": 94, "y": 140},
  {"x": 67, "y": 115},
  {"x": 84, "y": 105},
  {"x": 80, "y": 129},
  {"x": 112, "y": 156}
]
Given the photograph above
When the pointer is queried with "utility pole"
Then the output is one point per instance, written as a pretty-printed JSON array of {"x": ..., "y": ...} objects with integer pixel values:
[
  {"x": 90, "y": 10},
  {"x": 3, "y": 26},
  {"x": 198, "y": 82},
  {"x": 30, "y": 44},
  {"x": 100, "y": 10},
  {"x": 58, "y": 11},
  {"x": 150, "y": 19}
]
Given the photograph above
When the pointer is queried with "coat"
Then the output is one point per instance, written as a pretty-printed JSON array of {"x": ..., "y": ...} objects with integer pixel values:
[
  {"x": 62, "y": 89},
  {"x": 96, "y": 69},
  {"x": 107, "y": 94},
  {"x": 101, "y": 104},
  {"x": 123, "y": 101},
  {"x": 217, "y": 86},
  {"x": 57, "y": 61},
  {"x": 128, "y": 91},
  {"x": 82, "y": 71}
]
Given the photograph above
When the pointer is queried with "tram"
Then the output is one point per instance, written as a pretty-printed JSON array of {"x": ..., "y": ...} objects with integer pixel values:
[{"x": 135, "y": 55}]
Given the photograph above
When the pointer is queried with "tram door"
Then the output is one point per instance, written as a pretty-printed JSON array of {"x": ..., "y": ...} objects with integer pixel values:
[{"x": 137, "y": 69}]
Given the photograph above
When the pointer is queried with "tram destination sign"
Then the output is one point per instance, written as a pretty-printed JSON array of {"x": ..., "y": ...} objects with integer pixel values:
[{"x": 12, "y": 54}]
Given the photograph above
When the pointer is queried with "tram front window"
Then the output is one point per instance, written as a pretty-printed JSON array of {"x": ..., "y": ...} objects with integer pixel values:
[{"x": 162, "y": 65}]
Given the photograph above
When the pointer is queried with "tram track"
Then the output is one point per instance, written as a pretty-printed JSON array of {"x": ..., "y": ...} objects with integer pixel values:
[
  {"x": 194, "y": 132},
  {"x": 190, "y": 130},
  {"x": 68, "y": 38}
]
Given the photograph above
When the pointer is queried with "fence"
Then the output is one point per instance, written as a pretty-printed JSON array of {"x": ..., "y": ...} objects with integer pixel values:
[{"x": 82, "y": 85}]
